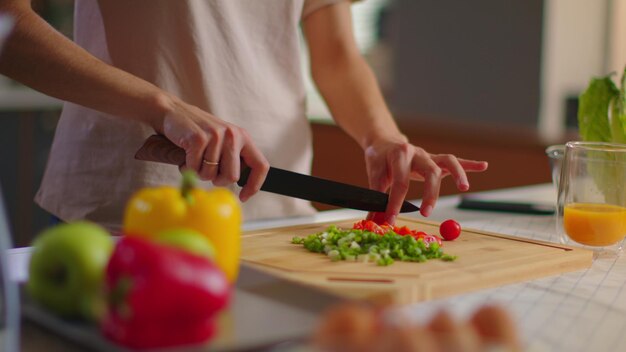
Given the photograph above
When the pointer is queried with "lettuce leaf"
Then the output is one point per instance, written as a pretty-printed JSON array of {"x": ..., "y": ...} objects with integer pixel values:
[
  {"x": 602, "y": 118},
  {"x": 618, "y": 114},
  {"x": 593, "y": 111}
]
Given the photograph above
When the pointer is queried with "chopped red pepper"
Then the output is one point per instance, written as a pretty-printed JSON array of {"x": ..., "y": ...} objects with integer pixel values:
[
  {"x": 426, "y": 237},
  {"x": 369, "y": 225},
  {"x": 404, "y": 230},
  {"x": 161, "y": 296}
]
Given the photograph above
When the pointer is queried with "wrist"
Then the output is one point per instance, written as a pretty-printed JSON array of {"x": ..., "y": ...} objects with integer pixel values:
[
  {"x": 161, "y": 104},
  {"x": 386, "y": 136}
]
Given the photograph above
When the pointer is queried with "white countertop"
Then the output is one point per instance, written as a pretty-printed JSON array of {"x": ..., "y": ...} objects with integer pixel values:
[{"x": 579, "y": 311}]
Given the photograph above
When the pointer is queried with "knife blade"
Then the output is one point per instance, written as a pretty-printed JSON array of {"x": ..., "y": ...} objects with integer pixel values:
[{"x": 158, "y": 148}]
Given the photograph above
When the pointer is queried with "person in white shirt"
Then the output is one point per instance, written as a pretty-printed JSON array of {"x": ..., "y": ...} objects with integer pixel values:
[{"x": 221, "y": 79}]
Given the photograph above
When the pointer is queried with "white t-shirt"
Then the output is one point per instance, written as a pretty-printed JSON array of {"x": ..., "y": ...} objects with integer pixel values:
[{"x": 237, "y": 59}]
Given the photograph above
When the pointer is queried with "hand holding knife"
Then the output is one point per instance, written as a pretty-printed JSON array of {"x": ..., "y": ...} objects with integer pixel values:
[{"x": 158, "y": 148}]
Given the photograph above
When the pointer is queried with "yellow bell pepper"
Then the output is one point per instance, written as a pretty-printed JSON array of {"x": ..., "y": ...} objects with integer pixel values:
[{"x": 215, "y": 213}]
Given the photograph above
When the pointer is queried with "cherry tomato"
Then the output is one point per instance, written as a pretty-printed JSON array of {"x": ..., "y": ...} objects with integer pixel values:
[
  {"x": 449, "y": 230},
  {"x": 377, "y": 217},
  {"x": 428, "y": 239},
  {"x": 425, "y": 237}
]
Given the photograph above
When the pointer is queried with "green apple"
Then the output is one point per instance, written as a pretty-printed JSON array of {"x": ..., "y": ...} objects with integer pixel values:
[
  {"x": 66, "y": 269},
  {"x": 189, "y": 240}
]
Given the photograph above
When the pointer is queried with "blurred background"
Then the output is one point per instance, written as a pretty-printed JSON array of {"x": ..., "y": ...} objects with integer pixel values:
[{"x": 494, "y": 80}]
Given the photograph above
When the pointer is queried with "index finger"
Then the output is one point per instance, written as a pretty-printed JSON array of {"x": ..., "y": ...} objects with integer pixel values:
[{"x": 398, "y": 190}]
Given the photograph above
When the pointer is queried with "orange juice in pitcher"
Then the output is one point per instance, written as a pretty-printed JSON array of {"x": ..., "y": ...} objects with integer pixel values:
[{"x": 595, "y": 224}]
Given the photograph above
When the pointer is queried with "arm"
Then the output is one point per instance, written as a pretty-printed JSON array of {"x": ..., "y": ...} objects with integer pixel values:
[
  {"x": 38, "y": 56},
  {"x": 352, "y": 94}
]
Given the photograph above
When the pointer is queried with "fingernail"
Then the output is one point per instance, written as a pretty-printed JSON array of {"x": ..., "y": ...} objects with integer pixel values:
[
  {"x": 391, "y": 220},
  {"x": 427, "y": 210},
  {"x": 462, "y": 184}
]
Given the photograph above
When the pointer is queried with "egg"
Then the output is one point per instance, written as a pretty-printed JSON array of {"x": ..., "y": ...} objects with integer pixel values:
[
  {"x": 496, "y": 328},
  {"x": 346, "y": 327},
  {"x": 451, "y": 336}
]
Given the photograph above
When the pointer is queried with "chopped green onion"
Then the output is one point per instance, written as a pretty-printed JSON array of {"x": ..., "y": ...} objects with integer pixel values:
[{"x": 383, "y": 250}]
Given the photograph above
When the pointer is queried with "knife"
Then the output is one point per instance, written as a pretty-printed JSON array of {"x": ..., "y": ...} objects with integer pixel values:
[{"x": 288, "y": 183}]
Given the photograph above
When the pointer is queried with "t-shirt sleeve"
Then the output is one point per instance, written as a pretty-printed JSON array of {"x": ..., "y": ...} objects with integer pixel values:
[{"x": 311, "y": 6}]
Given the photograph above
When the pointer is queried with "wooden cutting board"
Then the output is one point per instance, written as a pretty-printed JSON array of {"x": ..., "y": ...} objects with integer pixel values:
[{"x": 484, "y": 260}]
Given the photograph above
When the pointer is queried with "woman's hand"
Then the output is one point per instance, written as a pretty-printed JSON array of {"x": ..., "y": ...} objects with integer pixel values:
[
  {"x": 393, "y": 162},
  {"x": 214, "y": 148},
  {"x": 350, "y": 89}
]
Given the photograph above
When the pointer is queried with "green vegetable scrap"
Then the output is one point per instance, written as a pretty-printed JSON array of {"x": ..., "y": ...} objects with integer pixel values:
[{"x": 361, "y": 245}]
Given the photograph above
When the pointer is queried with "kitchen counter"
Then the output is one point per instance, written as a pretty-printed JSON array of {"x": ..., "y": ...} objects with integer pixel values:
[{"x": 578, "y": 311}]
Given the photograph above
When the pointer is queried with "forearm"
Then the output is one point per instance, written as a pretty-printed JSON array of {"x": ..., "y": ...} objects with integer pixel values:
[
  {"x": 40, "y": 57},
  {"x": 349, "y": 87},
  {"x": 353, "y": 96},
  {"x": 344, "y": 79}
]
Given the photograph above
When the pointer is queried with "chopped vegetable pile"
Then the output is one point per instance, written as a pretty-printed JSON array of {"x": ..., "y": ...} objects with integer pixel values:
[{"x": 382, "y": 244}]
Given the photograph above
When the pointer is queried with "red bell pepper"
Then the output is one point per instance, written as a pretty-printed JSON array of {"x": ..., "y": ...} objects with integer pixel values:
[{"x": 161, "y": 296}]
